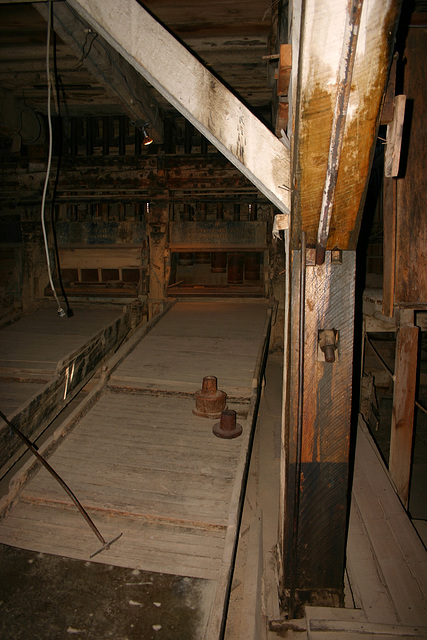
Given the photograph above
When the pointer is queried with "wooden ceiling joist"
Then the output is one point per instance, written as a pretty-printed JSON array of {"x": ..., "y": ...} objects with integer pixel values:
[
  {"x": 106, "y": 65},
  {"x": 171, "y": 69}
]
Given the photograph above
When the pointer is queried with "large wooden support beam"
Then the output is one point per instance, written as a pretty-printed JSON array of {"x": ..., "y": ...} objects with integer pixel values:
[
  {"x": 195, "y": 92},
  {"x": 317, "y": 443},
  {"x": 116, "y": 75},
  {"x": 321, "y": 57},
  {"x": 402, "y": 420}
]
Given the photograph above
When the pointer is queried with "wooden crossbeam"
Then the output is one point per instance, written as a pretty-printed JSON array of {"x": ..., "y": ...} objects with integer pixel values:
[{"x": 195, "y": 92}]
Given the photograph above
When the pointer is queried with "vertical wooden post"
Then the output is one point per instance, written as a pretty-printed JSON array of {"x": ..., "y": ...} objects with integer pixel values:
[
  {"x": 105, "y": 135},
  {"x": 389, "y": 245},
  {"x": 157, "y": 224},
  {"x": 315, "y": 548},
  {"x": 402, "y": 421},
  {"x": 122, "y": 135}
]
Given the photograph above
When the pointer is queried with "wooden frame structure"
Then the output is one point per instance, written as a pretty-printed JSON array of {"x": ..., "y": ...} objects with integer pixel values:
[
  {"x": 326, "y": 111},
  {"x": 341, "y": 57}
]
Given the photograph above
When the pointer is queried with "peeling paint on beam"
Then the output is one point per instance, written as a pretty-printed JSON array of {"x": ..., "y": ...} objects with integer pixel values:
[{"x": 195, "y": 92}]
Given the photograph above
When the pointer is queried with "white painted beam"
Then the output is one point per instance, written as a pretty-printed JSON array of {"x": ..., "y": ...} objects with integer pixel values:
[{"x": 195, "y": 92}]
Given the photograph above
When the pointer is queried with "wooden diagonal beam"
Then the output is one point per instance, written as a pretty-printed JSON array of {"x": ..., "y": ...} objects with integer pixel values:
[{"x": 195, "y": 92}]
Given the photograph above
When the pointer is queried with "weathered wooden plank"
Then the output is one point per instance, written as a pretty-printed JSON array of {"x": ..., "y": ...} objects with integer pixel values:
[
  {"x": 178, "y": 354},
  {"x": 316, "y": 496},
  {"x": 14, "y": 394},
  {"x": 398, "y": 551},
  {"x": 126, "y": 483},
  {"x": 402, "y": 422},
  {"x": 115, "y": 74},
  {"x": 142, "y": 545},
  {"x": 251, "y": 625},
  {"x": 217, "y": 618},
  {"x": 192, "y": 236},
  {"x": 394, "y": 139},
  {"x": 196, "y": 93},
  {"x": 157, "y": 221},
  {"x": 190, "y": 512},
  {"x": 366, "y": 580},
  {"x": 71, "y": 374},
  {"x": 131, "y": 465},
  {"x": 119, "y": 256}
]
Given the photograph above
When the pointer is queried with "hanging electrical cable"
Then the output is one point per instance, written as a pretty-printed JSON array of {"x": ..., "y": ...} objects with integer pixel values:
[
  {"x": 61, "y": 311},
  {"x": 70, "y": 312}
]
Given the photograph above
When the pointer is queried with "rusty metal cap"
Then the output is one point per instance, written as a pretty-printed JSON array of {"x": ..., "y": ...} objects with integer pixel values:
[
  {"x": 209, "y": 385},
  {"x": 210, "y": 401},
  {"x": 227, "y": 427}
]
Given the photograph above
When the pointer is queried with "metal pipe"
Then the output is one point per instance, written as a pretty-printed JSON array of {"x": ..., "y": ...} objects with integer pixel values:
[
  {"x": 294, "y": 555},
  {"x": 353, "y": 15}
]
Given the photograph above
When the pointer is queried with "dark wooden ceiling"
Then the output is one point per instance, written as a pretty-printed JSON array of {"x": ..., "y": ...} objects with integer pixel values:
[{"x": 232, "y": 37}]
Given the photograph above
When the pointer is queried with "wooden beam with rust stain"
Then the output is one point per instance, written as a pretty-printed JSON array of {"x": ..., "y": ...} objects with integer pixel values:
[
  {"x": 322, "y": 33},
  {"x": 195, "y": 92}
]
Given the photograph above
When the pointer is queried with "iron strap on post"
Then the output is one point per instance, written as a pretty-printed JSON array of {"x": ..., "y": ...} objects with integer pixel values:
[{"x": 294, "y": 554}]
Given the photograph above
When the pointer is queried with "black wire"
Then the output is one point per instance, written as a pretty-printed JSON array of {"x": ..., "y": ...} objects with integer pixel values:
[
  {"x": 113, "y": 62},
  {"x": 70, "y": 312}
]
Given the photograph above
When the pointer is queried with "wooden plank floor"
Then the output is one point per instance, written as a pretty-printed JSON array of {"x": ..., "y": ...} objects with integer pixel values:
[
  {"x": 197, "y": 339},
  {"x": 142, "y": 463},
  {"x": 386, "y": 562},
  {"x": 39, "y": 340},
  {"x": 31, "y": 348}
]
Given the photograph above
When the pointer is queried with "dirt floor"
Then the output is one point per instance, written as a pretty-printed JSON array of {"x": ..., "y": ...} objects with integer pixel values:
[{"x": 46, "y": 597}]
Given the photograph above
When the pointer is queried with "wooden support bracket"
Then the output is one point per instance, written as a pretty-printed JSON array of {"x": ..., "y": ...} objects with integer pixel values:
[{"x": 394, "y": 139}]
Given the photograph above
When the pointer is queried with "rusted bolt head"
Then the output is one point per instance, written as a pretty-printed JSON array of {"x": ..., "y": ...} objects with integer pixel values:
[{"x": 227, "y": 427}]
